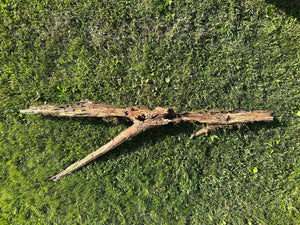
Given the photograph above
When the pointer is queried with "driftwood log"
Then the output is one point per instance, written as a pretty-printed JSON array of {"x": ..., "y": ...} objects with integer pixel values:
[{"x": 142, "y": 119}]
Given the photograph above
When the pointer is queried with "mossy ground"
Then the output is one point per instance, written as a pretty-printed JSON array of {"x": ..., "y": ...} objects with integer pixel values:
[{"x": 189, "y": 54}]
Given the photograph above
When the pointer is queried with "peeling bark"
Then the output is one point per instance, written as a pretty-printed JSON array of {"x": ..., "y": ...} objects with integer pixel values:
[{"x": 142, "y": 119}]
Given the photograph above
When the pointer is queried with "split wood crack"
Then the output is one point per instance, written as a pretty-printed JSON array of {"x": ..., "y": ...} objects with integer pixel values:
[{"x": 143, "y": 119}]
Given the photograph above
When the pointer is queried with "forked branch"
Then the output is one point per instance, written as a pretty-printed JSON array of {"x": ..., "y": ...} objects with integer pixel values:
[{"x": 142, "y": 119}]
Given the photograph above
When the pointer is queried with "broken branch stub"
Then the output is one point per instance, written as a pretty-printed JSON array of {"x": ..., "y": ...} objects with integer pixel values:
[{"x": 142, "y": 119}]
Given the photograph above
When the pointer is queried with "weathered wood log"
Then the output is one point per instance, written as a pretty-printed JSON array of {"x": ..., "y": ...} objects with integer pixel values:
[{"x": 143, "y": 119}]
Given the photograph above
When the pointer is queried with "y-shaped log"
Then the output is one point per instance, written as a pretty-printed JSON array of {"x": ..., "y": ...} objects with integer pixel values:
[{"x": 142, "y": 119}]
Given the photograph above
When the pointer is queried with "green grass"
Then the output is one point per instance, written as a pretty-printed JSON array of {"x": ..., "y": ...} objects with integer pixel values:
[{"x": 194, "y": 55}]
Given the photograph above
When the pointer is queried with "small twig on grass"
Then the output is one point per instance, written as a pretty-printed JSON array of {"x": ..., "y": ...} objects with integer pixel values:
[
  {"x": 142, "y": 119},
  {"x": 207, "y": 129}
]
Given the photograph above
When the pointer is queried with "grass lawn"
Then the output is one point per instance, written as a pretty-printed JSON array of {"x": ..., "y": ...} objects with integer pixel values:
[{"x": 209, "y": 54}]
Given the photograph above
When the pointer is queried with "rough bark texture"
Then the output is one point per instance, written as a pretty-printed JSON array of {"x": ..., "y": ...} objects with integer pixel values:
[{"x": 143, "y": 119}]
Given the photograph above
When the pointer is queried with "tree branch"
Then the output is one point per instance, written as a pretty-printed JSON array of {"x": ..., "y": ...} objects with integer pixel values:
[
  {"x": 142, "y": 119},
  {"x": 122, "y": 137}
]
